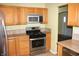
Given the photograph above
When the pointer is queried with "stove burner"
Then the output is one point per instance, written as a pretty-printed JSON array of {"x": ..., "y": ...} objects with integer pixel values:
[
  {"x": 38, "y": 35},
  {"x": 35, "y": 33}
]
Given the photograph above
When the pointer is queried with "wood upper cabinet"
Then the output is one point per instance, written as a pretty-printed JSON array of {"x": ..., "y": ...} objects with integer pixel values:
[
  {"x": 18, "y": 15},
  {"x": 29, "y": 10},
  {"x": 78, "y": 14},
  {"x": 43, "y": 12},
  {"x": 11, "y": 46},
  {"x": 10, "y": 14},
  {"x": 45, "y": 15},
  {"x": 48, "y": 40},
  {"x": 22, "y": 20},
  {"x": 73, "y": 14},
  {"x": 39, "y": 11},
  {"x": 23, "y": 12}
]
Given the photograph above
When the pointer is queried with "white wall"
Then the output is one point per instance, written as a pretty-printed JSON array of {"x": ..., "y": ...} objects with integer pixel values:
[{"x": 53, "y": 24}]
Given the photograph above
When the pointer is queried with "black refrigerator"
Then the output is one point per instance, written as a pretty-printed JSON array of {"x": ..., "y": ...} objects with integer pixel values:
[
  {"x": 64, "y": 31},
  {"x": 3, "y": 36}
]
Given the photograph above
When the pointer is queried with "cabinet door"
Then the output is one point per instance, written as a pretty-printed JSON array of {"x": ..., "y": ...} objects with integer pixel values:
[
  {"x": 27, "y": 12},
  {"x": 48, "y": 40},
  {"x": 43, "y": 12},
  {"x": 23, "y": 12},
  {"x": 78, "y": 14},
  {"x": 11, "y": 47},
  {"x": 10, "y": 14},
  {"x": 45, "y": 15},
  {"x": 22, "y": 45},
  {"x": 72, "y": 14},
  {"x": 31, "y": 10},
  {"x": 21, "y": 16},
  {"x": 39, "y": 11}
]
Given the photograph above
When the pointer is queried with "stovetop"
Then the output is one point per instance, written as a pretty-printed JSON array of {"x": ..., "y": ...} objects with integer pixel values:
[{"x": 35, "y": 34}]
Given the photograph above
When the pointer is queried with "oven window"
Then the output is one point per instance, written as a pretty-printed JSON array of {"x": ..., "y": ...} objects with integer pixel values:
[{"x": 38, "y": 43}]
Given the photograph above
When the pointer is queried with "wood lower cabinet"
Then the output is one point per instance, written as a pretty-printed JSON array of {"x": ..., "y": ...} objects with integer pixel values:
[
  {"x": 48, "y": 40},
  {"x": 59, "y": 50},
  {"x": 11, "y": 46},
  {"x": 22, "y": 46},
  {"x": 18, "y": 46}
]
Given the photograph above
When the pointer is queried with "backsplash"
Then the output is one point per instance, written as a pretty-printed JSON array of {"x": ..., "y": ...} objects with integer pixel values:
[
  {"x": 18, "y": 29},
  {"x": 15, "y": 27},
  {"x": 24, "y": 26},
  {"x": 75, "y": 33}
]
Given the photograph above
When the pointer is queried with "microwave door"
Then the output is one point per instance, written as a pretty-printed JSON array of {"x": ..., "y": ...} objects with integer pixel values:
[
  {"x": 36, "y": 19},
  {"x": 33, "y": 19},
  {"x": 29, "y": 19}
]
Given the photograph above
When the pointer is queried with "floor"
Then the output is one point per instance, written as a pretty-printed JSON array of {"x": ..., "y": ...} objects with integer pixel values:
[{"x": 45, "y": 54}]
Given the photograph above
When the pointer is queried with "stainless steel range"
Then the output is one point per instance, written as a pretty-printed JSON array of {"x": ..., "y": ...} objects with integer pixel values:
[{"x": 37, "y": 39}]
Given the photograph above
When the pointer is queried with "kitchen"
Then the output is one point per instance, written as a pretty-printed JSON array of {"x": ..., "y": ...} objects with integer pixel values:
[
  {"x": 25, "y": 33},
  {"x": 29, "y": 24}
]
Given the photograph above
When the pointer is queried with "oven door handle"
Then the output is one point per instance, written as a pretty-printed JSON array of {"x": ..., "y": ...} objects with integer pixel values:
[{"x": 37, "y": 38}]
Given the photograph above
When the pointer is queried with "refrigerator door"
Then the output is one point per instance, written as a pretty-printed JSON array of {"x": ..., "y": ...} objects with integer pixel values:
[
  {"x": 64, "y": 32},
  {"x": 2, "y": 36},
  {"x": 62, "y": 25}
]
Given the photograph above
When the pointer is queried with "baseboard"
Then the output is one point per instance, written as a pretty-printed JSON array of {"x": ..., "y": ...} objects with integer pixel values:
[{"x": 53, "y": 51}]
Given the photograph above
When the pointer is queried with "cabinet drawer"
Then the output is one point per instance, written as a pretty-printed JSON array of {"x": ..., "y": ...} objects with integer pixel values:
[
  {"x": 23, "y": 37},
  {"x": 24, "y": 42}
]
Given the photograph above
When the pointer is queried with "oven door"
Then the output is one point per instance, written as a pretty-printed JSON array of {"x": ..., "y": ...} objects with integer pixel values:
[{"x": 37, "y": 43}]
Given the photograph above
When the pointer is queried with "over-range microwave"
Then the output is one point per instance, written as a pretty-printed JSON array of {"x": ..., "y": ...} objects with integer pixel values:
[{"x": 34, "y": 19}]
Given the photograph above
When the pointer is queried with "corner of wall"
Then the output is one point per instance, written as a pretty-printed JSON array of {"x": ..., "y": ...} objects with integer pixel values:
[{"x": 53, "y": 51}]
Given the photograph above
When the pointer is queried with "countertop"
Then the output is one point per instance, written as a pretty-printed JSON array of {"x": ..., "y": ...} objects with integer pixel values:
[
  {"x": 14, "y": 35},
  {"x": 70, "y": 44},
  {"x": 20, "y": 32}
]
